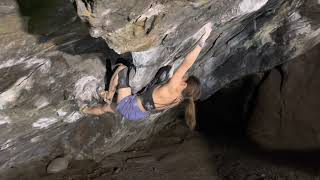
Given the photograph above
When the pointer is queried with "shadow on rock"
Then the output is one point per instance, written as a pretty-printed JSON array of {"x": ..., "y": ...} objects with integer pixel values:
[
  {"x": 57, "y": 21},
  {"x": 223, "y": 119}
]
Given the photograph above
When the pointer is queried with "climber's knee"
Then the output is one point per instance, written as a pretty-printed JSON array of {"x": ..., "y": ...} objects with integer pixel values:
[{"x": 123, "y": 78}]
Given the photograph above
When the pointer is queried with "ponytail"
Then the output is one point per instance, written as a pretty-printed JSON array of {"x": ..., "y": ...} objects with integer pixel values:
[
  {"x": 190, "y": 94},
  {"x": 190, "y": 115}
]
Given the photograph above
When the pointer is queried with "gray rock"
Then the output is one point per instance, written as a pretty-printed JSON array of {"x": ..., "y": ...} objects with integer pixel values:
[
  {"x": 248, "y": 36},
  {"x": 286, "y": 116},
  {"x": 58, "y": 164},
  {"x": 49, "y": 66}
]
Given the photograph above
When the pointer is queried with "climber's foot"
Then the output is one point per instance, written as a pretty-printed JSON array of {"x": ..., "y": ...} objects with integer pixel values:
[{"x": 104, "y": 95}]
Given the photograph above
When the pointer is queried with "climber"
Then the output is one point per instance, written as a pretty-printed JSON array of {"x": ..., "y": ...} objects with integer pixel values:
[{"x": 179, "y": 88}]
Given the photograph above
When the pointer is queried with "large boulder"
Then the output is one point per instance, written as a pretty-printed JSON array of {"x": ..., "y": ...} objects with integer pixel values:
[
  {"x": 49, "y": 65},
  {"x": 248, "y": 35},
  {"x": 286, "y": 116}
]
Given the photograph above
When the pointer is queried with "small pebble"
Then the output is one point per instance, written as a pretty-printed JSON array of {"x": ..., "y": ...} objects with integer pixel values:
[{"x": 58, "y": 164}]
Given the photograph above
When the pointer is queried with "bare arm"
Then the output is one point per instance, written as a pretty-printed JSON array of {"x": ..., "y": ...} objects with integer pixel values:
[
  {"x": 112, "y": 89},
  {"x": 185, "y": 65},
  {"x": 113, "y": 84},
  {"x": 190, "y": 58}
]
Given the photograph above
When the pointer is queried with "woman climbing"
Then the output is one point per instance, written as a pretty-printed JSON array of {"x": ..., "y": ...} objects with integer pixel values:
[{"x": 177, "y": 89}]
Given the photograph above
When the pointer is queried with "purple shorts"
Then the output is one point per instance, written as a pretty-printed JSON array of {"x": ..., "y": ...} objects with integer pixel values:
[{"x": 129, "y": 108}]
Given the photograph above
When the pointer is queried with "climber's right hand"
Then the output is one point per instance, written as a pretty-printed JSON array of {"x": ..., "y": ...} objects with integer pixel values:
[{"x": 207, "y": 31}]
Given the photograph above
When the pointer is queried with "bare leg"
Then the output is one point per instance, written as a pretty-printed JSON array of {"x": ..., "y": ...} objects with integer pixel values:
[
  {"x": 123, "y": 92},
  {"x": 107, "y": 96},
  {"x": 99, "y": 110},
  {"x": 113, "y": 84}
]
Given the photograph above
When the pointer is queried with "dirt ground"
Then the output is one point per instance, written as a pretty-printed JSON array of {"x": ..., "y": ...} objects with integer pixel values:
[{"x": 177, "y": 153}]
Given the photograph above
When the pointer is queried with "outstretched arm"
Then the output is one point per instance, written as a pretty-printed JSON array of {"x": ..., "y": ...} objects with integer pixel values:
[
  {"x": 185, "y": 65},
  {"x": 190, "y": 58}
]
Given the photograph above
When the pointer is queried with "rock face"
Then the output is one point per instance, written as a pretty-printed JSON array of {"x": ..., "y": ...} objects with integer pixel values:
[
  {"x": 287, "y": 111},
  {"x": 50, "y": 66},
  {"x": 248, "y": 35}
]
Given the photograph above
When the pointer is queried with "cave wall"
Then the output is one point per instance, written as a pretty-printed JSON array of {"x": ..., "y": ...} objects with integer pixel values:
[
  {"x": 50, "y": 66},
  {"x": 286, "y": 115}
]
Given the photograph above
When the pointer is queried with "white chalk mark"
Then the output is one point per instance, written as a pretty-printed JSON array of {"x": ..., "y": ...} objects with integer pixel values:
[
  {"x": 35, "y": 61},
  {"x": 62, "y": 112},
  {"x": 45, "y": 68},
  {"x": 51, "y": 80},
  {"x": 11, "y": 62},
  {"x": 5, "y": 145},
  {"x": 35, "y": 139},
  {"x": 155, "y": 10},
  {"x": 44, "y": 122},
  {"x": 73, "y": 117},
  {"x": 4, "y": 120},
  {"x": 106, "y": 12},
  {"x": 248, "y": 6},
  {"x": 14, "y": 92},
  {"x": 41, "y": 102},
  {"x": 29, "y": 62},
  {"x": 85, "y": 88}
]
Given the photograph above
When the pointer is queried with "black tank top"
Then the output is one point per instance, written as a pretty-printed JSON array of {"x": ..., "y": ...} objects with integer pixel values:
[
  {"x": 147, "y": 100},
  {"x": 148, "y": 103}
]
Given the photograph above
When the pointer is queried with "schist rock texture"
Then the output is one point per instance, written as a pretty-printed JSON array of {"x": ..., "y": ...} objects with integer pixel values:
[
  {"x": 50, "y": 66},
  {"x": 248, "y": 35}
]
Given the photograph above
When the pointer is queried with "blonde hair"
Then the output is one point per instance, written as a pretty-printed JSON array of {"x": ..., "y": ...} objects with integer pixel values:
[{"x": 190, "y": 94}]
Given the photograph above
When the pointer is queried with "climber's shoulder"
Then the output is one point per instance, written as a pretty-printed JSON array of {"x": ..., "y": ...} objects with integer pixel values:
[{"x": 167, "y": 88}]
